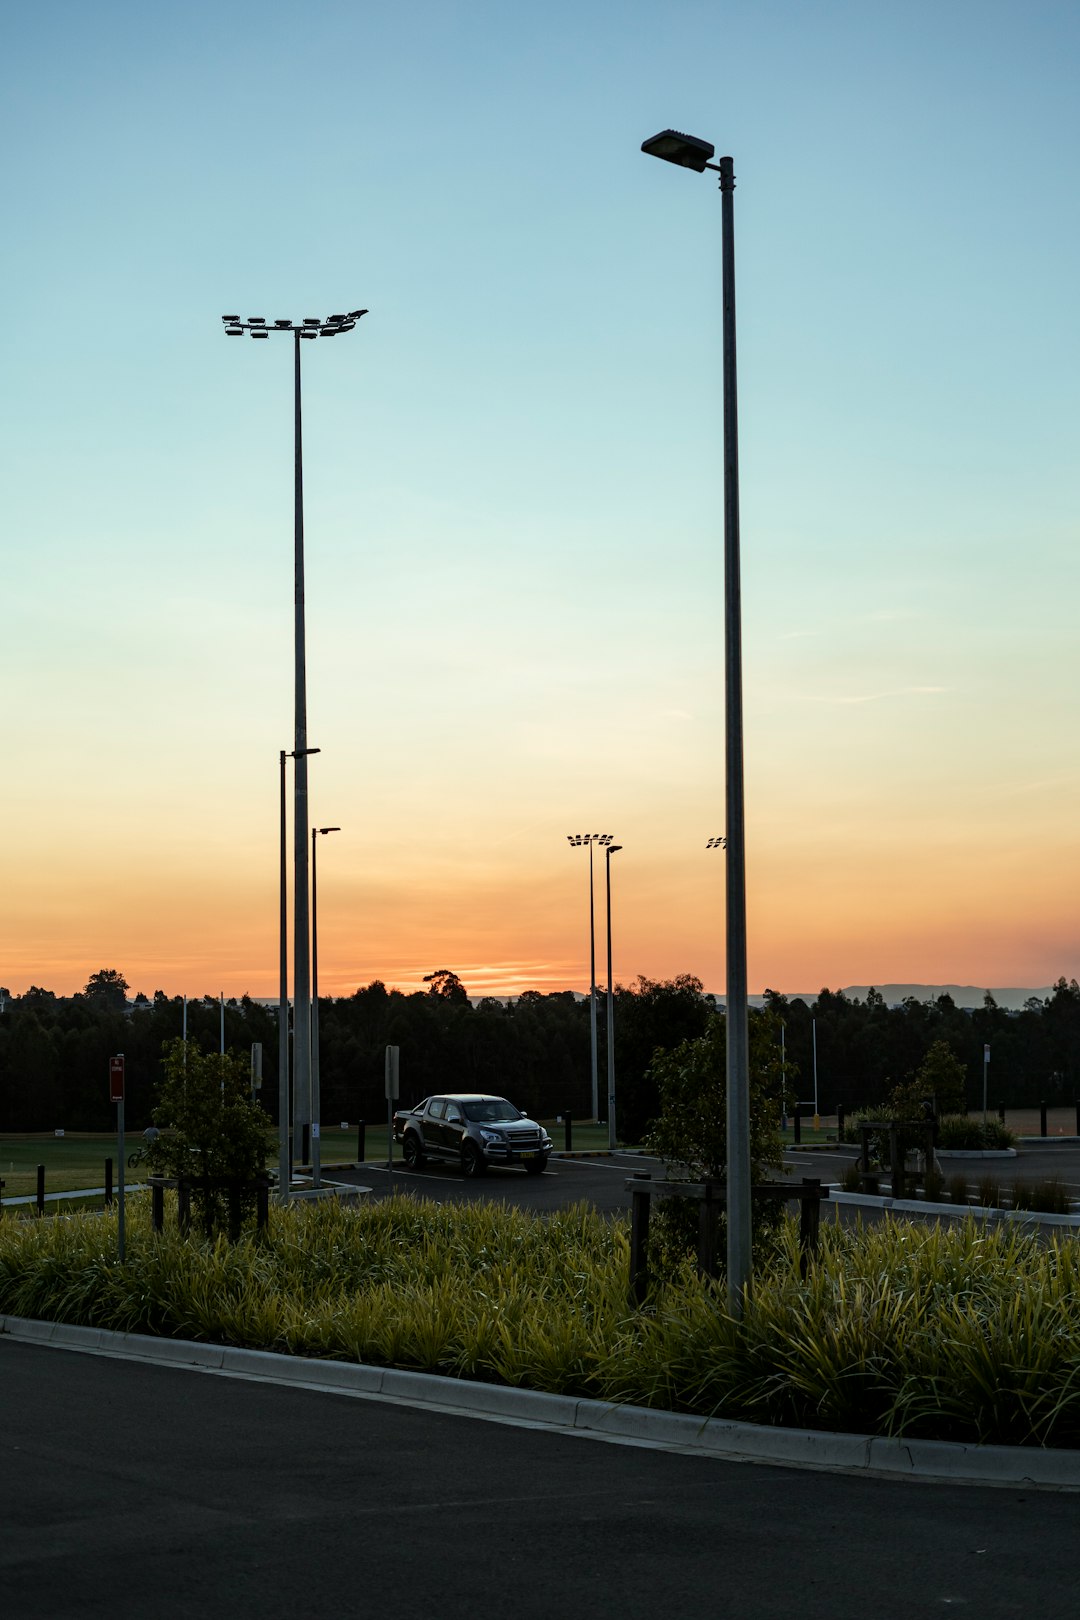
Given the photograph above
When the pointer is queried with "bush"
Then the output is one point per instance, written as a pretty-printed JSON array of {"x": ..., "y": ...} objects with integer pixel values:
[
  {"x": 988, "y": 1193},
  {"x": 933, "y": 1186},
  {"x": 958, "y": 1189},
  {"x": 959, "y": 1132},
  {"x": 1048, "y": 1197},
  {"x": 210, "y": 1128},
  {"x": 851, "y": 1180}
]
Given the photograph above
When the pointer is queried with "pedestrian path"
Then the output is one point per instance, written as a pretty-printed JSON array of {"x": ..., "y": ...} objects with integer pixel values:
[{"x": 81, "y": 1192}]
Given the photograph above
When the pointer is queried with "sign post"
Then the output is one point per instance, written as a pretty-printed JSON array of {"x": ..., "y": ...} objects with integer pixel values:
[
  {"x": 986, "y": 1070},
  {"x": 116, "y": 1095},
  {"x": 393, "y": 1088}
]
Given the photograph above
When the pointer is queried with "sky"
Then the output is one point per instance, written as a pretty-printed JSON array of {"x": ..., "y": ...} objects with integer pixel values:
[{"x": 513, "y": 488}]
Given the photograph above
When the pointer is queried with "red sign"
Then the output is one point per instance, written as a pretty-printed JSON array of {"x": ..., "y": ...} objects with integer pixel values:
[{"x": 116, "y": 1079}]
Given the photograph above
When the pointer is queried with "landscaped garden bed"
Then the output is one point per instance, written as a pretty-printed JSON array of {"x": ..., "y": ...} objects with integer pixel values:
[{"x": 964, "y": 1334}]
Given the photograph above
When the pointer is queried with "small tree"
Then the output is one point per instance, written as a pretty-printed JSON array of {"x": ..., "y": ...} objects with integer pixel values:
[
  {"x": 691, "y": 1127},
  {"x": 941, "y": 1074},
  {"x": 210, "y": 1128}
]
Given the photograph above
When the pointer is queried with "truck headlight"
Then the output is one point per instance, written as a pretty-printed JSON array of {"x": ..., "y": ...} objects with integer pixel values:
[{"x": 490, "y": 1136}]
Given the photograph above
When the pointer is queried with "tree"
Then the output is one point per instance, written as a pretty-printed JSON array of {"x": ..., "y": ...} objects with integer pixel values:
[
  {"x": 691, "y": 1127},
  {"x": 942, "y": 1075},
  {"x": 210, "y": 1128},
  {"x": 107, "y": 988},
  {"x": 446, "y": 986}
]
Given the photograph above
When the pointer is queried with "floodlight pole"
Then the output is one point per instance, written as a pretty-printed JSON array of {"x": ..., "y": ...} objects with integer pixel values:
[
  {"x": 301, "y": 982},
  {"x": 284, "y": 1156},
  {"x": 316, "y": 1095},
  {"x": 609, "y": 851},
  {"x": 257, "y": 327},
  {"x": 604, "y": 839}
]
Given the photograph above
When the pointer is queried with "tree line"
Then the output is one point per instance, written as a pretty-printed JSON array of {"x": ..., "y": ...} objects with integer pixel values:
[{"x": 534, "y": 1048}]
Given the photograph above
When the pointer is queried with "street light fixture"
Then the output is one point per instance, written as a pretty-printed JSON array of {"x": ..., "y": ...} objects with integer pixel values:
[
  {"x": 689, "y": 152},
  {"x": 609, "y": 851},
  {"x": 256, "y": 326},
  {"x": 284, "y": 1155},
  {"x": 603, "y": 839},
  {"x": 316, "y": 1096}
]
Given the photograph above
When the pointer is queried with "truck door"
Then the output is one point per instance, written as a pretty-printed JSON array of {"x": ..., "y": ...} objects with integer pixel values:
[{"x": 431, "y": 1125}]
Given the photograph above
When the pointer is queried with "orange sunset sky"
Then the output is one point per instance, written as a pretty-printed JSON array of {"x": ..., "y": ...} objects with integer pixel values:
[{"x": 513, "y": 493}]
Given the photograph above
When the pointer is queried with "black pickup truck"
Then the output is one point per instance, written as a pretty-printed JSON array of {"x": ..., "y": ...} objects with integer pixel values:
[{"x": 474, "y": 1129}]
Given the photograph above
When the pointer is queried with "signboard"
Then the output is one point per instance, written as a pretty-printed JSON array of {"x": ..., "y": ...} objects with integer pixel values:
[
  {"x": 393, "y": 1072},
  {"x": 116, "y": 1079}
]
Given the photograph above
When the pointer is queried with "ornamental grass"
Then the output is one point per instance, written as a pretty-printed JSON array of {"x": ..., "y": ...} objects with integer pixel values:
[{"x": 963, "y": 1333}]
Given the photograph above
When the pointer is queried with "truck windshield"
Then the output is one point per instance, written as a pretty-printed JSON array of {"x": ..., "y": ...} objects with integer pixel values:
[{"x": 492, "y": 1111}]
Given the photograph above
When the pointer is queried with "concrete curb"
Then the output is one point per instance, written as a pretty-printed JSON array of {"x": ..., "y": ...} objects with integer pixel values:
[
  {"x": 926, "y": 1460},
  {"x": 955, "y": 1212}
]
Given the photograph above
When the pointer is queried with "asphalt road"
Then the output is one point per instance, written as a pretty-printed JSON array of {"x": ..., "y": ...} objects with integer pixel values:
[
  {"x": 599, "y": 1182},
  {"x": 140, "y": 1491}
]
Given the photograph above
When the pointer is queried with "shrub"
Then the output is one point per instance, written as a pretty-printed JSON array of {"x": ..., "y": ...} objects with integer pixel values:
[
  {"x": 988, "y": 1193},
  {"x": 210, "y": 1128},
  {"x": 851, "y": 1180},
  {"x": 1048, "y": 1197},
  {"x": 959, "y": 1132},
  {"x": 958, "y": 1189},
  {"x": 933, "y": 1186}
]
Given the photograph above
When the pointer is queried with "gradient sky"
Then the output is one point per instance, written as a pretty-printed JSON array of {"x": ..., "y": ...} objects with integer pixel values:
[{"x": 513, "y": 482}]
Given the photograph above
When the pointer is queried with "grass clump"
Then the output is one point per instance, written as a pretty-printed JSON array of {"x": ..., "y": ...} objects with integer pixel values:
[{"x": 958, "y": 1333}]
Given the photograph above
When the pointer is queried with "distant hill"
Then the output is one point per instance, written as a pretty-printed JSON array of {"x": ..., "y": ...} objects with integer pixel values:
[{"x": 965, "y": 995}]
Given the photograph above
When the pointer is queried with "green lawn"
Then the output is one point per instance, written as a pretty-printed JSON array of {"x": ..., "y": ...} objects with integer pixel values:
[{"x": 77, "y": 1160}]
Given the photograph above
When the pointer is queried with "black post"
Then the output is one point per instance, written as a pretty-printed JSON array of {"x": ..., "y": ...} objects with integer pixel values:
[
  {"x": 1042, "y": 1119},
  {"x": 839, "y": 1122},
  {"x": 157, "y": 1206},
  {"x": 1001, "y": 1112},
  {"x": 262, "y": 1204},
  {"x": 305, "y": 1141},
  {"x": 41, "y": 1189},
  {"x": 183, "y": 1204},
  {"x": 708, "y": 1212},
  {"x": 809, "y": 1221},
  {"x": 1078, "y": 1116},
  {"x": 361, "y": 1132},
  {"x": 568, "y": 1126},
  {"x": 796, "y": 1124},
  {"x": 639, "y": 1239},
  {"x": 108, "y": 1183}
]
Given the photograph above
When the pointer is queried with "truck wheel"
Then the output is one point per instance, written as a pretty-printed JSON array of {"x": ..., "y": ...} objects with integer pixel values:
[
  {"x": 472, "y": 1161},
  {"x": 536, "y": 1167},
  {"x": 414, "y": 1153}
]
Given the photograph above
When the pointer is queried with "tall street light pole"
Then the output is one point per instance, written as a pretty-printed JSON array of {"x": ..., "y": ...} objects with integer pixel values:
[
  {"x": 609, "y": 851},
  {"x": 689, "y": 152},
  {"x": 316, "y": 1097},
  {"x": 577, "y": 839},
  {"x": 284, "y": 1156},
  {"x": 309, "y": 328}
]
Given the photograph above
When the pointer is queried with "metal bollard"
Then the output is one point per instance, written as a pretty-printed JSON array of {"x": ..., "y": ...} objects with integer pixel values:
[
  {"x": 568, "y": 1127},
  {"x": 41, "y": 1189},
  {"x": 108, "y": 1183},
  {"x": 1042, "y": 1119},
  {"x": 839, "y": 1122},
  {"x": 361, "y": 1133}
]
